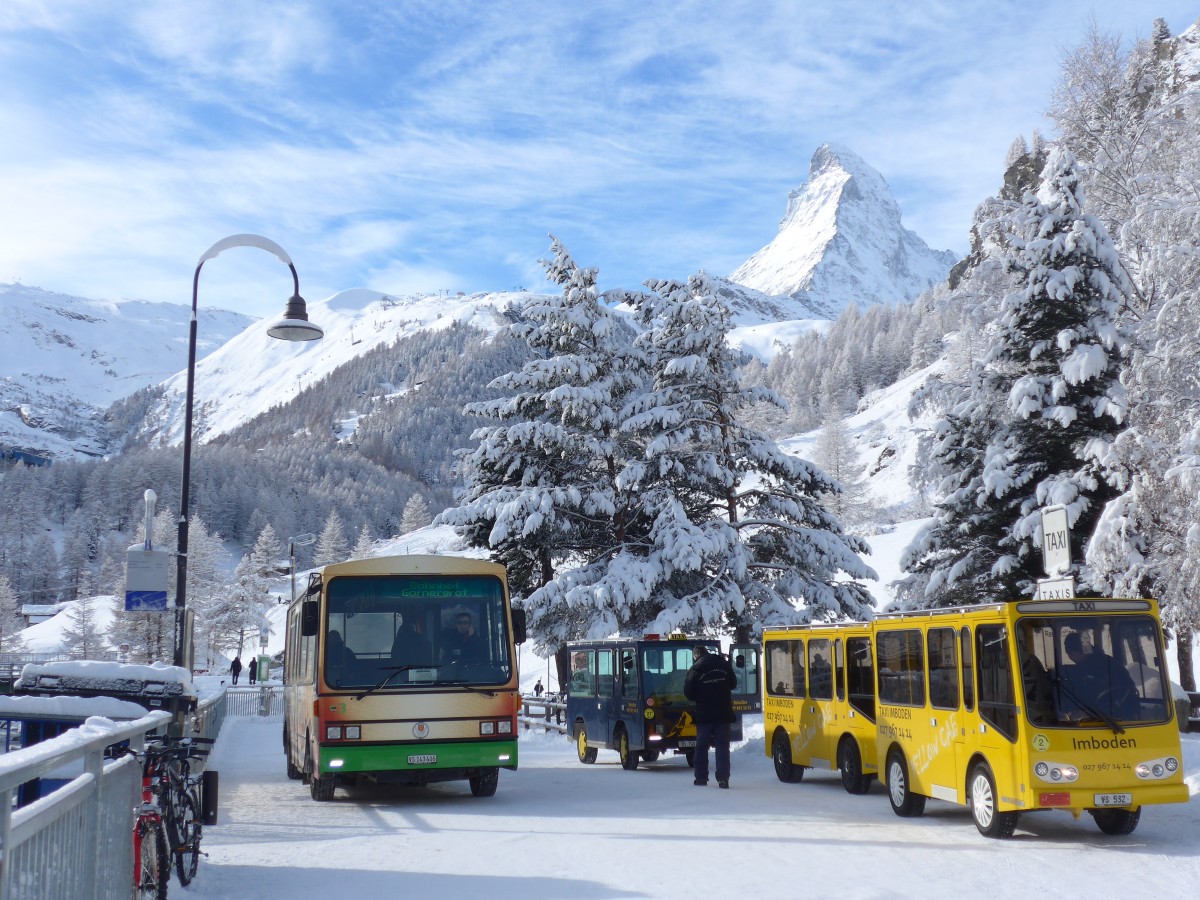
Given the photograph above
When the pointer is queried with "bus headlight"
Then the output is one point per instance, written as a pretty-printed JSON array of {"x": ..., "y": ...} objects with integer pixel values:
[
  {"x": 505, "y": 726},
  {"x": 1055, "y": 772},
  {"x": 487, "y": 727},
  {"x": 333, "y": 732},
  {"x": 1157, "y": 768},
  {"x": 353, "y": 732}
]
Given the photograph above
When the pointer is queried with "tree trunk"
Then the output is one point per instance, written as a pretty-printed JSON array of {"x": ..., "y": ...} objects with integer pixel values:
[
  {"x": 562, "y": 665},
  {"x": 1183, "y": 646}
]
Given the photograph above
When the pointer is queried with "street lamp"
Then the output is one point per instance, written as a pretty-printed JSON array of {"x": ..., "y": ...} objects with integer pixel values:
[
  {"x": 294, "y": 326},
  {"x": 299, "y": 540}
]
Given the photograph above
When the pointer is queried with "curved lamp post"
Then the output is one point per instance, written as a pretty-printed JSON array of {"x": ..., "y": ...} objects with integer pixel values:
[{"x": 294, "y": 326}]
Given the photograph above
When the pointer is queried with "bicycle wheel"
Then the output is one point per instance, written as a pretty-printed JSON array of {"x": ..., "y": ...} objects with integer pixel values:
[
  {"x": 153, "y": 865},
  {"x": 187, "y": 848}
]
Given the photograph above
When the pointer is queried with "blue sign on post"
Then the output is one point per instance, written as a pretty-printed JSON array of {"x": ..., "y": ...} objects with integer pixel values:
[{"x": 146, "y": 580}]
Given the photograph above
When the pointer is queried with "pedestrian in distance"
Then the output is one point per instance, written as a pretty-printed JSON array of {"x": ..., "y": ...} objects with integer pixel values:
[
  {"x": 709, "y": 684},
  {"x": 252, "y": 670},
  {"x": 235, "y": 668},
  {"x": 537, "y": 688}
]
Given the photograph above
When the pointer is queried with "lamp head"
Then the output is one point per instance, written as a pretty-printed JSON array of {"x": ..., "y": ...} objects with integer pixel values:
[{"x": 294, "y": 326}]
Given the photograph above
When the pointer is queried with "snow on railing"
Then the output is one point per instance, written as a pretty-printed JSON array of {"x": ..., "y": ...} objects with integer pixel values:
[{"x": 78, "y": 840}]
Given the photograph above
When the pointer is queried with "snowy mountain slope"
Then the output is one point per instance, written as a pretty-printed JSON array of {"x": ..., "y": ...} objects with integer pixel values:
[
  {"x": 841, "y": 242},
  {"x": 253, "y": 372},
  {"x": 65, "y": 359}
]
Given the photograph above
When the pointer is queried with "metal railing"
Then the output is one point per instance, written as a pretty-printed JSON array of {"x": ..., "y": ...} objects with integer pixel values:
[
  {"x": 552, "y": 715},
  {"x": 254, "y": 701},
  {"x": 77, "y": 841}
]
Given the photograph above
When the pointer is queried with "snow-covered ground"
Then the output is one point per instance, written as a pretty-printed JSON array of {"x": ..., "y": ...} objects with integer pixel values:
[{"x": 559, "y": 829}]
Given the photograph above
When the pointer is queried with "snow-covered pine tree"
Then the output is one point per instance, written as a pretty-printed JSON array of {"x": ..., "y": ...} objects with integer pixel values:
[
  {"x": 331, "y": 545},
  {"x": 541, "y": 488},
  {"x": 416, "y": 514}
]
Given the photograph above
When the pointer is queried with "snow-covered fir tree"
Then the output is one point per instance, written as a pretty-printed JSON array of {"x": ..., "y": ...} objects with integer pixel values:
[
  {"x": 540, "y": 488},
  {"x": 726, "y": 534},
  {"x": 416, "y": 514},
  {"x": 1055, "y": 365}
]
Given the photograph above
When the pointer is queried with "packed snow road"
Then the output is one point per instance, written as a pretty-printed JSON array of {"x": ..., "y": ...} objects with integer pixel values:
[{"x": 559, "y": 829}]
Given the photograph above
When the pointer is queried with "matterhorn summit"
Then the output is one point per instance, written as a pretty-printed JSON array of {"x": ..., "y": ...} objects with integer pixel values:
[{"x": 841, "y": 242}]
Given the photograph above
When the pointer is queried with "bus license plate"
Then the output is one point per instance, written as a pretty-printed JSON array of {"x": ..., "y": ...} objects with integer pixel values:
[
  {"x": 1113, "y": 799},
  {"x": 687, "y": 744},
  {"x": 422, "y": 759}
]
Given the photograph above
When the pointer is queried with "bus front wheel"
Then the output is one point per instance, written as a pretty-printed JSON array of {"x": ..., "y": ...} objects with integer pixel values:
[
  {"x": 586, "y": 754},
  {"x": 629, "y": 758},
  {"x": 484, "y": 784},
  {"x": 850, "y": 762},
  {"x": 319, "y": 786},
  {"x": 1117, "y": 821},
  {"x": 982, "y": 794},
  {"x": 904, "y": 802},
  {"x": 781, "y": 754}
]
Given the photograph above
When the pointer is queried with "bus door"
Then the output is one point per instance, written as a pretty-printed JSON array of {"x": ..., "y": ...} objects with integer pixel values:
[
  {"x": 629, "y": 698},
  {"x": 820, "y": 709},
  {"x": 747, "y": 690},
  {"x": 940, "y": 759},
  {"x": 996, "y": 700},
  {"x": 608, "y": 711}
]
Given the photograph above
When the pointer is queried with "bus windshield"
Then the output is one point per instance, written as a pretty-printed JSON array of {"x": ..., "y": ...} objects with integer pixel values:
[
  {"x": 665, "y": 668},
  {"x": 425, "y": 630},
  {"x": 1084, "y": 671}
]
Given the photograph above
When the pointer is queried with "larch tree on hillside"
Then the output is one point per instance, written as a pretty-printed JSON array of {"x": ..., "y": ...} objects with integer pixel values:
[
  {"x": 11, "y": 621},
  {"x": 81, "y": 638},
  {"x": 331, "y": 545},
  {"x": 365, "y": 546},
  {"x": 416, "y": 514}
]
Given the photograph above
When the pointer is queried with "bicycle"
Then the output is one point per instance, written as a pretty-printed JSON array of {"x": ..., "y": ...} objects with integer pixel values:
[
  {"x": 179, "y": 799},
  {"x": 151, "y": 859}
]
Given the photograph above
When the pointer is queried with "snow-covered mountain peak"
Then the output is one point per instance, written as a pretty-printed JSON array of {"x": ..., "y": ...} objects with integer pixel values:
[{"x": 841, "y": 241}]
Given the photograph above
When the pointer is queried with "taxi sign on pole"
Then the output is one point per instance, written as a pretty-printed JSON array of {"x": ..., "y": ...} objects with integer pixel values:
[
  {"x": 1056, "y": 541},
  {"x": 1056, "y": 588}
]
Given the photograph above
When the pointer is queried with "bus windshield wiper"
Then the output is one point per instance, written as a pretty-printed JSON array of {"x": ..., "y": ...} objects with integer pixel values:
[
  {"x": 392, "y": 671},
  {"x": 470, "y": 687},
  {"x": 1065, "y": 686}
]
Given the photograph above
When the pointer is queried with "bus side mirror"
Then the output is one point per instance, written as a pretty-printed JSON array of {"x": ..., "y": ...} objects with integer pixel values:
[
  {"x": 518, "y": 620},
  {"x": 309, "y": 618}
]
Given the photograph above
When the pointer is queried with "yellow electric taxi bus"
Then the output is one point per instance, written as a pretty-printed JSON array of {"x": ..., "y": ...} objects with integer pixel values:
[
  {"x": 819, "y": 702},
  {"x": 1024, "y": 706}
]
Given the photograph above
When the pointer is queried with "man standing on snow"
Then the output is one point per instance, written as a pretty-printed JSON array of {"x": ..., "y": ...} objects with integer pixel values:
[
  {"x": 709, "y": 684},
  {"x": 235, "y": 668}
]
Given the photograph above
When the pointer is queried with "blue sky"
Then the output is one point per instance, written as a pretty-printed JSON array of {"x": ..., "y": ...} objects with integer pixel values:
[{"x": 422, "y": 146}]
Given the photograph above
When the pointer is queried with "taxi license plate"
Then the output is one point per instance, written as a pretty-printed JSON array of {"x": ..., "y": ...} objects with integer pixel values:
[
  {"x": 422, "y": 759},
  {"x": 1113, "y": 799},
  {"x": 687, "y": 744}
]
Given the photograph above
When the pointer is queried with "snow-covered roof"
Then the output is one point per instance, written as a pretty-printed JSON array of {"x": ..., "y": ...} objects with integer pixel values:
[{"x": 107, "y": 677}]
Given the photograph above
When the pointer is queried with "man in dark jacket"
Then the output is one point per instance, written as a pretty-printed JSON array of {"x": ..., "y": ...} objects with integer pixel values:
[
  {"x": 235, "y": 668},
  {"x": 709, "y": 684}
]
